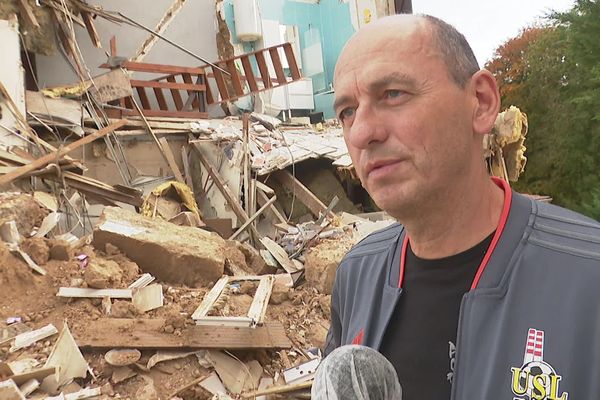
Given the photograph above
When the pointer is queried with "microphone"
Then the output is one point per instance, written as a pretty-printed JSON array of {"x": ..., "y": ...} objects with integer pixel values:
[{"x": 356, "y": 373}]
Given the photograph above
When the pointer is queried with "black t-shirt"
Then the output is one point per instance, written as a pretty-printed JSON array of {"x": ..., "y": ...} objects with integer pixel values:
[{"x": 421, "y": 336}]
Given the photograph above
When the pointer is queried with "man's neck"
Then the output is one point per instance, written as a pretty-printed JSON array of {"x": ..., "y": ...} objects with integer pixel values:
[{"x": 461, "y": 221}]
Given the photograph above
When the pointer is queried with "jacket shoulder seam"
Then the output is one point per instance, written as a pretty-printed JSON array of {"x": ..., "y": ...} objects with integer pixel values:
[
  {"x": 558, "y": 218},
  {"x": 566, "y": 233},
  {"x": 565, "y": 249}
]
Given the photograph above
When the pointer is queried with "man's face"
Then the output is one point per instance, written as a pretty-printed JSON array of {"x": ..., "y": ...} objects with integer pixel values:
[{"x": 407, "y": 125}]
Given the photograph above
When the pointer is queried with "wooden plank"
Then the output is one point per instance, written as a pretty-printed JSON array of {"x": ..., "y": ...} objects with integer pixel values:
[
  {"x": 91, "y": 28},
  {"x": 221, "y": 85},
  {"x": 187, "y": 172},
  {"x": 210, "y": 99},
  {"x": 176, "y": 95},
  {"x": 307, "y": 198},
  {"x": 143, "y": 96},
  {"x": 210, "y": 298},
  {"x": 251, "y": 219},
  {"x": 264, "y": 187},
  {"x": 277, "y": 66},
  {"x": 168, "y": 85},
  {"x": 160, "y": 98},
  {"x": 44, "y": 160},
  {"x": 291, "y": 60},
  {"x": 264, "y": 70},
  {"x": 249, "y": 73},
  {"x": 164, "y": 143},
  {"x": 280, "y": 255},
  {"x": 272, "y": 212},
  {"x": 27, "y": 13},
  {"x": 235, "y": 78},
  {"x": 169, "y": 114},
  {"x": 95, "y": 293},
  {"x": 162, "y": 25},
  {"x": 187, "y": 78},
  {"x": 158, "y": 68},
  {"x": 258, "y": 308},
  {"x": 233, "y": 202},
  {"x": 113, "y": 46},
  {"x": 148, "y": 334}
]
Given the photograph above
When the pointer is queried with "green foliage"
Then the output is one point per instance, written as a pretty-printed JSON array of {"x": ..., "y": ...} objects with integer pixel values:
[{"x": 558, "y": 85}]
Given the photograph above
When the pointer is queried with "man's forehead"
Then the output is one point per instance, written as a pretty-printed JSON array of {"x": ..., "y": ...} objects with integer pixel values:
[{"x": 388, "y": 37}]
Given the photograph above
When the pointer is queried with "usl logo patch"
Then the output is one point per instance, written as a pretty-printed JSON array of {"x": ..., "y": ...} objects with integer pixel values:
[{"x": 536, "y": 379}]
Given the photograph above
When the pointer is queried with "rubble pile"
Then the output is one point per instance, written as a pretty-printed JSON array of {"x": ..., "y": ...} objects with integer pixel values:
[{"x": 149, "y": 252}]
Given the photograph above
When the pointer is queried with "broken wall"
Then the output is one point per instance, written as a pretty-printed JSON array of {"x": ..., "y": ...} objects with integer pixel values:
[
  {"x": 11, "y": 76},
  {"x": 323, "y": 28},
  {"x": 193, "y": 28}
]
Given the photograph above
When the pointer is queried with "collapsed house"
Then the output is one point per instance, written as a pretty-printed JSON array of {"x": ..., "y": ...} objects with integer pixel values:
[{"x": 163, "y": 235}]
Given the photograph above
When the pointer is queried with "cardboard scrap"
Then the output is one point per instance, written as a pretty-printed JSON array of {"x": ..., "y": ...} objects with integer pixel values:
[
  {"x": 213, "y": 384},
  {"x": 148, "y": 298},
  {"x": 68, "y": 358},
  {"x": 165, "y": 355},
  {"x": 236, "y": 375},
  {"x": 121, "y": 374}
]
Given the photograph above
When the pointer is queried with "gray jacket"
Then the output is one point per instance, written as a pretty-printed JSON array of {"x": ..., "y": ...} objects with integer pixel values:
[{"x": 531, "y": 328}]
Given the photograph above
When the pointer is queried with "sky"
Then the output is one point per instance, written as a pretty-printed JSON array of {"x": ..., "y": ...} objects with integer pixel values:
[{"x": 487, "y": 24}]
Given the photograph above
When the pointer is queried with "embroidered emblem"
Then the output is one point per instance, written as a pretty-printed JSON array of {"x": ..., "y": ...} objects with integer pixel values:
[
  {"x": 536, "y": 379},
  {"x": 358, "y": 339}
]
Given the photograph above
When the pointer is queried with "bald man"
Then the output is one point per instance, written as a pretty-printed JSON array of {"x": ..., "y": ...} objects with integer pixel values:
[{"x": 478, "y": 292}]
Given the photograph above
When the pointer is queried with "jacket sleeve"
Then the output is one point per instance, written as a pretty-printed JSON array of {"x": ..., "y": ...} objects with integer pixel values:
[{"x": 334, "y": 335}]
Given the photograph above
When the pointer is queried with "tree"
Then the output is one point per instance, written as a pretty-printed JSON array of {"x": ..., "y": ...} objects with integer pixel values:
[{"x": 552, "y": 73}]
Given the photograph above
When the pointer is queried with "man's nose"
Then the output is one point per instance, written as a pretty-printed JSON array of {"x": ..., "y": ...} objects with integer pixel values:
[{"x": 368, "y": 128}]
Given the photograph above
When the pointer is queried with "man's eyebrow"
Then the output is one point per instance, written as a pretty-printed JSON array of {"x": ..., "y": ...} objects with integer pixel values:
[{"x": 392, "y": 78}]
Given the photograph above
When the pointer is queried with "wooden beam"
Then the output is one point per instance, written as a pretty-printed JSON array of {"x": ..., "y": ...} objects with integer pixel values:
[
  {"x": 146, "y": 334},
  {"x": 27, "y": 14},
  {"x": 171, "y": 159},
  {"x": 210, "y": 298},
  {"x": 307, "y": 198},
  {"x": 280, "y": 255},
  {"x": 95, "y": 293},
  {"x": 233, "y": 202},
  {"x": 158, "y": 68},
  {"x": 55, "y": 155},
  {"x": 258, "y": 308},
  {"x": 272, "y": 212},
  {"x": 168, "y": 85},
  {"x": 251, "y": 219},
  {"x": 91, "y": 28},
  {"x": 162, "y": 25}
]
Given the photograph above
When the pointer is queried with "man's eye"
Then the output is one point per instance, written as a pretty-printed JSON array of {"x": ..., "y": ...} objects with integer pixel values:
[
  {"x": 393, "y": 93},
  {"x": 347, "y": 113}
]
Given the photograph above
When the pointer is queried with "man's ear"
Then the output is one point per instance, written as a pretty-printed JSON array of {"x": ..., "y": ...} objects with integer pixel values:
[{"x": 485, "y": 89}]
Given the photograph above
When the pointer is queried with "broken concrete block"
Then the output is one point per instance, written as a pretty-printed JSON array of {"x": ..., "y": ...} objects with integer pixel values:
[
  {"x": 23, "y": 209},
  {"x": 37, "y": 249},
  {"x": 60, "y": 250},
  {"x": 175, "y": 254},
  {"x": 254, "y": 260},
  {"x": 102, "y": 274},
  {"x": 322, "y": 261}
]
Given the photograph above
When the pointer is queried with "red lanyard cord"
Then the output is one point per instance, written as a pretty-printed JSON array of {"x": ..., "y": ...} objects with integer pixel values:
[{"x": 488, "y": 254}]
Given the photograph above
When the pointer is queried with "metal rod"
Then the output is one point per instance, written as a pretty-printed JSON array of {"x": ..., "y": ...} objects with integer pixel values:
[{"x": 170, "y": 42}]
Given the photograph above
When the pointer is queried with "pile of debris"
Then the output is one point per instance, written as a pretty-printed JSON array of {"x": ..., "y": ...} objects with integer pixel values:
[
  {"x": 148, "y": 309},
  {"x": 149, "y": 252}
]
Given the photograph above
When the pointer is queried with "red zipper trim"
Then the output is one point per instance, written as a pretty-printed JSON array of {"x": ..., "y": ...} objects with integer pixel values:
[{"x": 488, "y": 254}]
